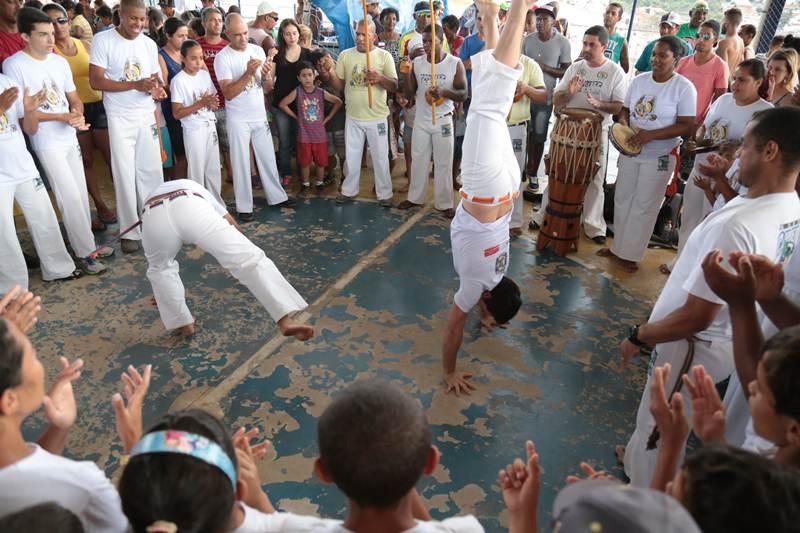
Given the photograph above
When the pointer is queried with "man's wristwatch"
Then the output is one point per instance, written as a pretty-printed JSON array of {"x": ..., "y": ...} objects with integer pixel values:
[{"x": 633, "y": 337}]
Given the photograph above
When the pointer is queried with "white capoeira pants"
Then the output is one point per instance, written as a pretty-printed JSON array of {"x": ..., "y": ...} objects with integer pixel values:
[
  {"x": 191, "y": 219},
  {"x": 136, "y": 165},
  {"x": 519, "y": 139},
  {"x": 717, "y": 358},
  {"x": 43, "y": 226},
  {"x": 240, "y": 136},
  {"x": 489, "y": 168},
  {"x": 594, "y": 224},
  {"x": 440, "y": 139},
  {"x": 638, "y": 195},
  {"x": 64, "y": 169},
  {"x": 202, "y": 157},
  {"x": 375, "y": 133}
]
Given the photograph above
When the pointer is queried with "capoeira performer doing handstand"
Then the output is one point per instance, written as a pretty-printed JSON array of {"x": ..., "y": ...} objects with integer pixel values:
[
  {"x": 182, "y": 211},
  {"x": 490, "y": 180}
]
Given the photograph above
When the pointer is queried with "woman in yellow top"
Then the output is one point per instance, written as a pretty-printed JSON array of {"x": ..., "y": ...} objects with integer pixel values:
[{"x": 76, "y": 52}]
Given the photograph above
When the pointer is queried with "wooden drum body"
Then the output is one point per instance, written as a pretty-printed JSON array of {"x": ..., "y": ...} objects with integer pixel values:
[{"x": 571, "y": 165}]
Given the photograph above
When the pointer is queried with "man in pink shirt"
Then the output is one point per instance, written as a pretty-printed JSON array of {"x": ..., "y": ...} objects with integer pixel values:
[{"x": 706, "y": 70}]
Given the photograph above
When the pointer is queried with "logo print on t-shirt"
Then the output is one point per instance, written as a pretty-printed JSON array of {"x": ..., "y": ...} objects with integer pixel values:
[
  {"x": 501, "y": 263},
  {"x": 5, "y": 125},
  {"x": 252, "y": 84},
  {"x": 644, "y": 108},
  {"x": 787, "y": 237},
  {"x": 132, "y": 71},
  {"x": 310, "y": 110},
  {"x": 358, "y": 76},
  {"x": 52, "y": 97},
  {"x": 718, "y": 131}
]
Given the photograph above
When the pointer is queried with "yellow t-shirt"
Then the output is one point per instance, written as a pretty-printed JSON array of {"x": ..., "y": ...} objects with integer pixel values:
[
  {"x": 531, "y": 75},
  {"x": 352, "y": 68},
  {"x": 79, "y": 65},
  {"x": 80, "y": 22}
]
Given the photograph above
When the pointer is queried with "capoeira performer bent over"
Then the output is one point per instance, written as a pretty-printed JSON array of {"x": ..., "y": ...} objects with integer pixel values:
[
  {"x": 184, "y": 211},
  {"x": 124, "y": 65},
  {"x": 490, "y": 178}
]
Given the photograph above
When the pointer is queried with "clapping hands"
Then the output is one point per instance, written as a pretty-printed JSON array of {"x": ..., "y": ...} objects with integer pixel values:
[
  {"x": 20, "y": 307},
  {"x": 247, "y": 455},
  {"x": 59, "y": 403},
  {"x": 520, "y": 483},
  {"x": 129, "y": 416},
  {"x": 708, "y": 411}
]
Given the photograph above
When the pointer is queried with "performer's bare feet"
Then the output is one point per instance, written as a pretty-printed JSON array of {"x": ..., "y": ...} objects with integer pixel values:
[
  {"x": 458, "y": 382},
  {"x": 290, "y": 328},
  {"x": 185, "y": 331},
  {"x": 605, "y": 252},
  {"x": 619, "y": 451},
  {"x": 628, "y": 266},
  {"x": 153, "y": 301}
]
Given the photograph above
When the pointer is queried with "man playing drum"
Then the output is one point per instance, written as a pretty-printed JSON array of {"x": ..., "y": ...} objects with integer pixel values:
[
  {"x": 490, "y": 178},
  {"x": 597, "y": 84}
]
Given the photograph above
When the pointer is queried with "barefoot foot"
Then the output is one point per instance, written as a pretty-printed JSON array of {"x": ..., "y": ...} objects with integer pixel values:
[
  {"x": 605, "y": 252},
  {"x": 185, "y": 331},
  {"x": 291, "y": 328}
]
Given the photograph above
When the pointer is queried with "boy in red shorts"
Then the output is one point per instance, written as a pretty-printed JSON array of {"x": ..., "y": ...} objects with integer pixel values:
[{"x": 309, "y": 112}]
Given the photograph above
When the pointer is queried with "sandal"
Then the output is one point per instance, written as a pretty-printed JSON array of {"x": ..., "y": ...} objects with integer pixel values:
[{"x": 77, "y": 273}]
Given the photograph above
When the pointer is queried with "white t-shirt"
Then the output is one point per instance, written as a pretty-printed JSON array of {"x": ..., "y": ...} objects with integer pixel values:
[
  {"x": 445, "y": 75},
  {"x": 187, "y": 89},
  {"x": 230, "y": 64},
  {"x": 189, "y": 185},
  {"x": 258, "y": 522},
  {"x": 125, "y": 60},
  {"x": 726, "y": 120},
  {"x": 54, "y": 76},
  {"x": 78, "y": 486},
  {"x": 17, "y": 164},
  {"x": 606, "y": 83},
  {"x": 654, "y": 105},
  {"x": 768, "y": 225},
  {"x": 480, "y": 255}
]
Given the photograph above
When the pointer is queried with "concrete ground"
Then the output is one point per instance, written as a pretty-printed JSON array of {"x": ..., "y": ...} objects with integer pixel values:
[{"x": 379, "y": 283}]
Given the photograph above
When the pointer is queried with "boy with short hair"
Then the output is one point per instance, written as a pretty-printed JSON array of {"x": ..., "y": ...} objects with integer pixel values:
[{"x": 312, "y": 139}]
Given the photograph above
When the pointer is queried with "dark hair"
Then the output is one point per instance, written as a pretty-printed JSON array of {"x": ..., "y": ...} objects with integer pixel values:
[
  {"x": 790, "y": 41},
  {"x": 600, "y": 32},
  {"x": 187, "y": 45},
  {"x": 374, "y": 441},
  {"x": 779, "y": 125},
  {"x": 778, "y": 39},
  {"x": 758, "y": 70},
  {"x": 35, "y": 4},
  {"x": 197, "y": 27},
  {"x": 781, "y": 360},
  {"x": 194, "y": 495},
  {"x": 439, "y": 31},
  {"x": 734, "y": 14},
  {"x": 280, "y": 57},
  {"x": 388, "y": 11},
  {"x": 303, "y": 65},
  {"x": 208, "y": 11},
  {"x": 78, "y": 9},
  {"x": 103, "y": 11},
  {"x": 618, "y": 6},
  {"x": 68, "y": 5},
  {"x": 27, "y": 17},
  {"x": 115, "y": 20},
  {"x": 233, "y": 8},
  {"x": 505, "y": 301},
  {"x": 713, "y": 25},
  {"x": 42, "y": 518},
  {"x": 316, "y": 55},
  {"x": 172, "y": 25},
  {"x": 732, "y": 490},
  {"x": 451, "y": 22},
  {"x": 11, "y": 355},
  {"x": 674, "y": 44},
  {"x": 749, "y": 29}
]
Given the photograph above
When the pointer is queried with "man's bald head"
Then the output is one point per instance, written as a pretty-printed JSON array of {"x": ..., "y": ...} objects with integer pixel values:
[
  {"x": 236, "y": 30},
  {"x": 234, "y": 20},
  {"x": 132, "y": 4}
]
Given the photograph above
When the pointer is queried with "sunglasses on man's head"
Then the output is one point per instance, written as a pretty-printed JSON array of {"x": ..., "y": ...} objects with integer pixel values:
[{"x": 705, "y": 36}]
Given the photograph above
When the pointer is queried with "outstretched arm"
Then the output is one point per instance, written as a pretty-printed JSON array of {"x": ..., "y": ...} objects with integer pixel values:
[
  {"x": 510, "y": 42},
  {"x": 453, "y": 335}
]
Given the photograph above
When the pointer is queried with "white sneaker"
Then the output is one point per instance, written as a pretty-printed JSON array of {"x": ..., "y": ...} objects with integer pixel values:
[{"x": 91, "y": 266}]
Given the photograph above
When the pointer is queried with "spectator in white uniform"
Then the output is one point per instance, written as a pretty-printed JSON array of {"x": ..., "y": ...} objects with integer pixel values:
[
  {"x": 596, "y": 83},
  {"x": 37, "y": 68},
  {"x": 244, "y": 76},
  {"x": 660, "y": 106},
  {"x": 450, "y": 86}
]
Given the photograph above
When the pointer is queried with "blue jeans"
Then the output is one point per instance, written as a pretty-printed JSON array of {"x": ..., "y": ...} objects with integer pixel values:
[{"x": 287, "y": 133}]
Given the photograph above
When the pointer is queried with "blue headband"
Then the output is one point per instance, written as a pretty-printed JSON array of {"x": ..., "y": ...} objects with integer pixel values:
[{"x": 181, "y": 442}]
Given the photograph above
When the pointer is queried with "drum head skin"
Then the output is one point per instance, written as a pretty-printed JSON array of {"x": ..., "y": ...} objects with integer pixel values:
[{"x": 620, "y": 136}]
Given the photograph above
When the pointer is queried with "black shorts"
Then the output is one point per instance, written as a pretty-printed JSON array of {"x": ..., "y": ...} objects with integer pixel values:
[
  {"x": 95, "y": 115},
  {"x": 176, "y": 136}
]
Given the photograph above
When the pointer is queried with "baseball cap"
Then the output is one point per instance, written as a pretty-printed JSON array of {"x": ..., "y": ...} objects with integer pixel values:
[
  {"x": 265, "y": 8},
  {"x": 547, "y": 9},
  {"x": 504, "y": 6},
  {"x": 605, "y": 505},
  {"x": 700, "y": 5},
  {"x": 422, "y": 7},
  {"x": 670, "y": 17}
]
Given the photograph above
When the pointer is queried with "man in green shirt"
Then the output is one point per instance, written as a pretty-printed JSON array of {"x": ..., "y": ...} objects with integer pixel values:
[
  {"x": 669, "y": 26},
  {"x": 617, "y": 50},
  {"x": 697, "y": 15}
]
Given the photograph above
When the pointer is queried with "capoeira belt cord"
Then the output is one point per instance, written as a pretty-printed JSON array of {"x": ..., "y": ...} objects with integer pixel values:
[
  {"x": 130, "y": 228},
  {"x": 652, "y": 441}
]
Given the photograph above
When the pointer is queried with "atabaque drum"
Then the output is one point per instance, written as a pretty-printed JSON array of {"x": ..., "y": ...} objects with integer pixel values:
[
  {"x": 571, "y": 164},
  {"x": 620, "y": 136}
]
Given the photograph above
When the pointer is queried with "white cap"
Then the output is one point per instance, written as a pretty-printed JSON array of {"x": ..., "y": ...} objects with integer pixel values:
[{"x": 265, "y": 8}]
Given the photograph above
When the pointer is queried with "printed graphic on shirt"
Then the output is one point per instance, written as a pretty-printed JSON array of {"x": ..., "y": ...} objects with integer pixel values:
[
  {"x": 53, "y": 100},
  {"x": 501, "y": 263},
  {"x": 310, "y": 110},
  {"x": 718, "y": 130},
  {"x": 612, "y": 46},
  {"x": 787, "y": 237},
  {"x": 252, "y": 84},
  {"x": 7, "y": 127},
  {"x": 358, "y": 76},
  {"x": 592, "y": 85},
  {"x": 132, "y": 71},
  {"x": 644, "y": 108},
  {"x": 381, "y": 129}
]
